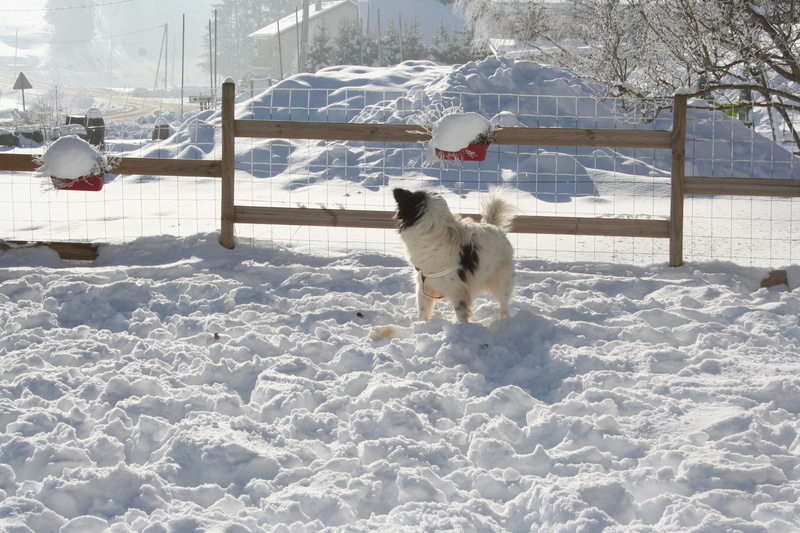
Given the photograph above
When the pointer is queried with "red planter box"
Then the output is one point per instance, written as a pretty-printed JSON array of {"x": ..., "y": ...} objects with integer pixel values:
[
  {"x": 84, "y": 183},
  {"x": 473, "y": 152}
]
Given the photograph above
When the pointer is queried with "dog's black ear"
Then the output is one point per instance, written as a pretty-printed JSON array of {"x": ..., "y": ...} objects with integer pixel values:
[
  {"x": 410, "y": 207},
  {"x": 401, "y": 195}
]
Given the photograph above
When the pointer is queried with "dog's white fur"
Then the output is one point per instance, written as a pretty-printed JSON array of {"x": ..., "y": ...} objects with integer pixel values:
[{"x": 457, "y": 258}]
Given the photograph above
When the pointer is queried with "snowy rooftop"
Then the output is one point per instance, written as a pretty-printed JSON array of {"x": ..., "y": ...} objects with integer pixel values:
[{"x": 290, "y": 21}]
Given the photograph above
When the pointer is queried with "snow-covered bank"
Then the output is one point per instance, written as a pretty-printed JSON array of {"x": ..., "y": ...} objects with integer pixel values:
[{"x": 178, "y": 386}]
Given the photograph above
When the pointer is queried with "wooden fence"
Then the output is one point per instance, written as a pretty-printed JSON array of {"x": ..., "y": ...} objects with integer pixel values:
[
  {"x": 231, "y": 214},
  {"x": 667, "y": 140},
  {"x": 136, "y": 166}
]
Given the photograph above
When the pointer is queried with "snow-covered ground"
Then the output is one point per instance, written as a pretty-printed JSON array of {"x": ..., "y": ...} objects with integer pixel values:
[{"x": 176, "y": 386}]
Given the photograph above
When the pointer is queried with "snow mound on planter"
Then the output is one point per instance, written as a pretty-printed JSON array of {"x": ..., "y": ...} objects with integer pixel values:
[
  {"x": 70, "y": 158},
  {"x": 456, "y": 131}
]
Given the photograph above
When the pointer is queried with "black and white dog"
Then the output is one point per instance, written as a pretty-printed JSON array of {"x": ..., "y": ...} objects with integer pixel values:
[{"x": 456, "y": 258}]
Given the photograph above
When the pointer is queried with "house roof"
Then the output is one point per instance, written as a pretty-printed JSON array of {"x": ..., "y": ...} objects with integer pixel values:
[{"x": 290, "y": 21}]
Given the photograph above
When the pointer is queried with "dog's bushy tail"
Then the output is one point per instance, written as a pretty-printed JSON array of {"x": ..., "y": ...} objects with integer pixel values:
[{"x": 498, "y": 212}]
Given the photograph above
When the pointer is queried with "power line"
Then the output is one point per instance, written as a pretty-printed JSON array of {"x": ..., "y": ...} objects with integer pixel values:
[
  {"x": 65, "y": 8},
  {"x": 107, "y": 38}
]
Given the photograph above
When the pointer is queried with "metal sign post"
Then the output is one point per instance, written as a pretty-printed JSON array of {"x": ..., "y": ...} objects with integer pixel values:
[{"x": 22, "y": 83}]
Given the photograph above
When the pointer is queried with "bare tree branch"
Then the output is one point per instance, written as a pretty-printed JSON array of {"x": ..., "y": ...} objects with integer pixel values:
[{"x": 651, "y": 48}]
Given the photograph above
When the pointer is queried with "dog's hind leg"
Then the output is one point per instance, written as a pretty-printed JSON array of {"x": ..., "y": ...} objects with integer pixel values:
[
  {"x": 503, "y": 309},
  {"x": 503, "y": 296},
  {"x": 501, "y": 288}
]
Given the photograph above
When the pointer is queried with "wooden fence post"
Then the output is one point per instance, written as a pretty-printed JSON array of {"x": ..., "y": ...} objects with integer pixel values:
[
  {"x": 678, "y": 180},
  {"x": 228, "y": 154}
]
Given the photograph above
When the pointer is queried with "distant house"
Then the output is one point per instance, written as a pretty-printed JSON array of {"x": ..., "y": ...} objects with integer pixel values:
[{"x": 278, "y": 43}]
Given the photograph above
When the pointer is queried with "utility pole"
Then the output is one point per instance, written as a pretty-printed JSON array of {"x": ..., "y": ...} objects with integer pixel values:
[
  {"x": 210, "y": 60},
  {"x": 304, "y": 43},
  {"x": 216, "y": 58},
  {"x": 111, "y": 59},
  {"x": 298, "y": 34},
  {"x": 183, "y": 61},
  {"x": 280, "y": 50},
  {"x": 158, "y": 66}
]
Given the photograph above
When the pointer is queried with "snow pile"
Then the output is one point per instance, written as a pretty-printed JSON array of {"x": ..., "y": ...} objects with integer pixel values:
[
  {"x": 70, "y": 158},
  {"x": 179, "y": 386}
]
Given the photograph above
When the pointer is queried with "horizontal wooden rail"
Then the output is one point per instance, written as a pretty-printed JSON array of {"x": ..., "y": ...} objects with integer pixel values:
[
  {"x": 332, "y": 131},
  {"x": 707, "y": 186},
  {"x": 130, "y": 165},
  {"x": 597, "y": 138},
  {"x": 73, "y": 251},
  {"x": 612, "y": 227},
  {"x": 608, "y": 227},
  {"x": 203, "y": 168},
  {"x": 18, "y": 163},
  {"x": 409, "y": 133},
  {"x": 297, "y": 216}
]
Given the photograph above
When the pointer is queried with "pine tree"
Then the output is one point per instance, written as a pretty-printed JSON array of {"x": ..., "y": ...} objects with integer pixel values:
[
  {"x": 451, "y": 47},
  {"x": 413, "y": 45},
  {"x": 236, "y": 20},
  {"x": 347, "y": 48},
  {"x": 371, "y": 47},
  {"x": 441, "y": 44},
  {"x": 321, "y": 51},
  {"x": 391, "y": 42}
]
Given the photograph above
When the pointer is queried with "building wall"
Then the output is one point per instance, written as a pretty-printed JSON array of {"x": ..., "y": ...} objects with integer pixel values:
[{"x": 278, "y": 61}]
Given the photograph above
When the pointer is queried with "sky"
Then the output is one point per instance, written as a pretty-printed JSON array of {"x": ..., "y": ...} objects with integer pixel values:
[{"x": 143, "y": 26}]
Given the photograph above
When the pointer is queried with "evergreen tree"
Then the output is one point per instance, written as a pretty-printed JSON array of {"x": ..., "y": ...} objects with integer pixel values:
[
  {"x": 391, "y": 52},
  {"x": 348, "y": 44},
  {"x": 371, "y": 46},
  {"x": 413, "y": 45},
  {"x": 451, "y": 47},
  {"x": 236, "y": 20},
  {"x": 321, "y": 50},
  {"x": 441, "y": 44}
]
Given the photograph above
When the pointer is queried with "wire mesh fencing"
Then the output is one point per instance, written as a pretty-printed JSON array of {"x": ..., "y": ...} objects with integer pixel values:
[
  {"x": 33, "y": 208},
  {"x": 557, "y": 181},
  {"x": 539, "y": 180},
  {"x": 750, "y": 230}
]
